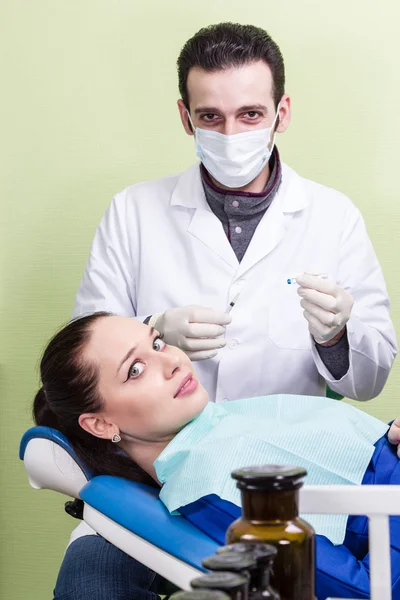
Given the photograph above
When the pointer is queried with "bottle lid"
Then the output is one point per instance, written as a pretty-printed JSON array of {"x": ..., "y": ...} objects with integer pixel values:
[
  {"x": 221, "y": 580},
  {"x": 272, "y": 478},
  {"x": 230, "y": 561},
  {"x": 262, "y": 553},
  {"x": 200, "y": 595}
]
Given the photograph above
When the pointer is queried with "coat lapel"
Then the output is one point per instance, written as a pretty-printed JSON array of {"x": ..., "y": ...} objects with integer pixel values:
[{"x": 204, "y": 225}]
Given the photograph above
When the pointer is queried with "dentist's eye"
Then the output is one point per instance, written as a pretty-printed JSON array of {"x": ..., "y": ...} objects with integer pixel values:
[
  {"x": 135, "y": 370},
  {"x": 159, "y": 344},
  {"x": 252, "y": 115},
  {"x": 209, "y": 118}
]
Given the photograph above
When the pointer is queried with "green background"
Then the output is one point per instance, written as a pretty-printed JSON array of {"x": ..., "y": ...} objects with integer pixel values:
[{"x": 88, "y": 92}]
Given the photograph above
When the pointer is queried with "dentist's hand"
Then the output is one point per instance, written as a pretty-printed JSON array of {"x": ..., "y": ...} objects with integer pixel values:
[
  {"x": 394, "y": 434},
  {"x": 196, "y": 330},
  {"x": 327, "y": 307}
]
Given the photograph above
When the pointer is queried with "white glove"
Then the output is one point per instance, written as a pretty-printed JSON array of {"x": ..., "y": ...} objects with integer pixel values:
[
  {"x": 327, "y": 307},
  {"x": 196, "y": 330}
]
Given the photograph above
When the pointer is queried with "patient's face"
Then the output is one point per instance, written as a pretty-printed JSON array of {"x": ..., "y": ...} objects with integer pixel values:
[{"x": 141, "y": 379}]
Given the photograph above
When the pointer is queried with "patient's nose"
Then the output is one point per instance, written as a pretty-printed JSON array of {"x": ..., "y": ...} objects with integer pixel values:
[{"x": 171, "y": 364}]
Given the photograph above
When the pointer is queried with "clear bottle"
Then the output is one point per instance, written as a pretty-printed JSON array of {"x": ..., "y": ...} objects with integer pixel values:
[
  {"x": 270, "y": 514},
  {"x": 264, "y": 555},
  {"x": 232, "y": 584}
]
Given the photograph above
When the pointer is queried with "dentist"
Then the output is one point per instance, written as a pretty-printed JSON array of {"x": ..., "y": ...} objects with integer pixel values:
[{"x": 176, "y": 251}]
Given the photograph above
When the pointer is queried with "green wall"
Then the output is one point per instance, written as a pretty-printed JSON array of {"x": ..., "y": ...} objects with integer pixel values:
[{"x": 88, "y": 91}]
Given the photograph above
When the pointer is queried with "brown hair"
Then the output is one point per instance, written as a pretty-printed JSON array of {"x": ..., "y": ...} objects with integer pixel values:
[
  {"x": 69, "y": 389},
  {"x": 226, "y": 45}
]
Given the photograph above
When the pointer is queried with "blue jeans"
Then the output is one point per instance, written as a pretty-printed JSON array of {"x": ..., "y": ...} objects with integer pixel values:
[{"x": 94, "y": 569}]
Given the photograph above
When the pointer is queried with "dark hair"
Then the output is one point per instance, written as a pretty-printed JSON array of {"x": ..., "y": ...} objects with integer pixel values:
[
  {"x": 69, "y": 389},
  {"x": 226, "y": 45}
]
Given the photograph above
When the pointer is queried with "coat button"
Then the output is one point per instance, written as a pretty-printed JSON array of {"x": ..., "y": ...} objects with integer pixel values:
[
  {"x": 238, "y": 229},
  {"x": 234, "y": 343}
]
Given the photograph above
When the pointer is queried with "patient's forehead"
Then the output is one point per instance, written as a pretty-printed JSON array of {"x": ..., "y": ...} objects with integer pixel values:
[{"x": 112, "y": 337}]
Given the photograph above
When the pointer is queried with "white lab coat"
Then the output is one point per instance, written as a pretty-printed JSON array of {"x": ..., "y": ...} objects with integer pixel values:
[{"x": 159, "y": 245}]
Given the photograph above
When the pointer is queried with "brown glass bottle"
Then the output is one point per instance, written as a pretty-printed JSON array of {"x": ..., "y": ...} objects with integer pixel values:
[
  {"x": 270, "y": 514},
  {"x": 264, "y": 555}
]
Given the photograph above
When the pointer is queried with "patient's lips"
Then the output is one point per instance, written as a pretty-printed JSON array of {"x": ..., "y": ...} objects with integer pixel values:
[{"x": 187, "y": 386}]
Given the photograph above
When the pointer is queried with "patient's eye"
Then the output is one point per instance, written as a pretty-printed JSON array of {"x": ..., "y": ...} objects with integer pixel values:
[
  {"x": 135, "y": 370},
  {"x": 159, "y": 344}
]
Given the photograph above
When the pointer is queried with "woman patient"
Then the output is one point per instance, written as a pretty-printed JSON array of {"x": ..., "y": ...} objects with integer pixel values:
[{"x": 110, "y": 383}]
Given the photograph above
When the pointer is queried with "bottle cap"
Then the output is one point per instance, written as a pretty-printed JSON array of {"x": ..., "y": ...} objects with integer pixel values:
[
  {"x": 221, "y": 580},
  {"x": 262, "y": 553},
  {"x": 230, "y": 561},
  {"x": 273, "y": 478},
  {"x": 200, "y": 595}
]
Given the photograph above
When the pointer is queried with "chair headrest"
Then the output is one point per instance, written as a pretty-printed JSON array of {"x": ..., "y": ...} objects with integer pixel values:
[
  {"x": 51, "y": 463},
  {"x": 48, "y": 433}
]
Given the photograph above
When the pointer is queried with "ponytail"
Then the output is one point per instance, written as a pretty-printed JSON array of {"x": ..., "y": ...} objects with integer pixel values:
[{"x": 42, "y": 413}]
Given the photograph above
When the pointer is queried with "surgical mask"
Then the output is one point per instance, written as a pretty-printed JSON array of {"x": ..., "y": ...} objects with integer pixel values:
[{"x": 234, "y": 160}]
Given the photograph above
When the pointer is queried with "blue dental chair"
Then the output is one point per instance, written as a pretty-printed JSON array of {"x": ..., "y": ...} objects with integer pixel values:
[
  {"x": 131, "y": 517},
  {"x": 127, "y": 514}
]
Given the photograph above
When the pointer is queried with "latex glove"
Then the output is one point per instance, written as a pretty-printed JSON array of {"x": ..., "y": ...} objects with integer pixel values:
[
  {"x": 327, "y": 307},
  {"x": 394, "y": 434},
  {"x": 196, "y": 330}
]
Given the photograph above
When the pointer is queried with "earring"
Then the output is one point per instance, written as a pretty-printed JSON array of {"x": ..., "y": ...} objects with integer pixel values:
[{"x": 116, "y": 438}]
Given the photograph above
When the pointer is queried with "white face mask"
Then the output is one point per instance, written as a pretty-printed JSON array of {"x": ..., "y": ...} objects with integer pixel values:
[{"x": 234, "y": 160}]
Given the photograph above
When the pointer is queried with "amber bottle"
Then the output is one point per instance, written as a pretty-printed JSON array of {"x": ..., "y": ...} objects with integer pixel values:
[{"x": 270, "y": 514}]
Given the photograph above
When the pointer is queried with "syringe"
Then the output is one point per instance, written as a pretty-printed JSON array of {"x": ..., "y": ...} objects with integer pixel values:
[
  {"x": 232, "y": 304},
  {"x": 321, "y": 275}
]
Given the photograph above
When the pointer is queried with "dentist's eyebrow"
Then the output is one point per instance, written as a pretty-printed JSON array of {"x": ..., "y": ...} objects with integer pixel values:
[
  {"x": 132, "y": 350},
  {"x": 215, "y": 110},
  {"x": 207, "y": 109},
  {"x": 252, "y": 107}
]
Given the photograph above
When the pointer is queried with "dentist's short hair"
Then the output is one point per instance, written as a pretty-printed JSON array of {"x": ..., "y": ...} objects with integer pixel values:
[{"x": 226, "y": 45}]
